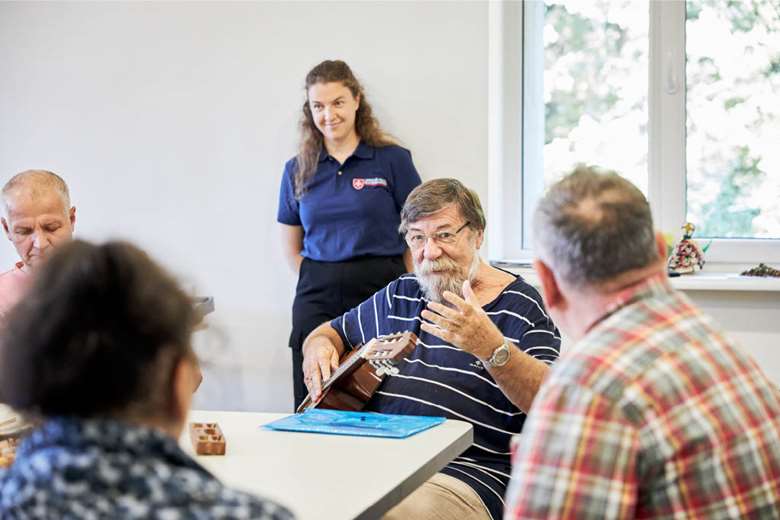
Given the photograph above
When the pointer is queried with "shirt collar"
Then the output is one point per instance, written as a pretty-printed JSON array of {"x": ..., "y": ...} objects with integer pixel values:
[
  {"x": 656, "y": 284},
  {"x": 323, "y": 154},
  {"x": 363, "y": 151}
]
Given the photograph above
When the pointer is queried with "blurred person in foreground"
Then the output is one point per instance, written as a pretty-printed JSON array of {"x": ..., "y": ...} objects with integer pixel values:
[
  {"x": 652, "y": 413},
  {"x": 99, "y": 351},
  {"x": 36, "y": 218}
]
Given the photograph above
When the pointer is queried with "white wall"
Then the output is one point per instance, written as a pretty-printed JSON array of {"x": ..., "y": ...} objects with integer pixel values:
[
  {"x": 171, "y": 123},
  {"x": 751, "y": 319}
]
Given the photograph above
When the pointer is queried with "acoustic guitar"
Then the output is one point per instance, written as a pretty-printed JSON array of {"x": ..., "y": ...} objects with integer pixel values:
[{"x": 361, "y": 371}]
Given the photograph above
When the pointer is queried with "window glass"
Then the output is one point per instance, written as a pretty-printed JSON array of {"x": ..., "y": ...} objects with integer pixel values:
[
  {"x": 595, "y": 87},
  {"x": 733, "y": 118}
]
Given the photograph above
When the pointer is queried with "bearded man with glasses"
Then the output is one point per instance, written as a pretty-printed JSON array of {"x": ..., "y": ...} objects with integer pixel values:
[{"x": 485, "y": 345}]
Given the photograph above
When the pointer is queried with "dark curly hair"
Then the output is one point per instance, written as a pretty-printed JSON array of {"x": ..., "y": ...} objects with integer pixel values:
[{"x": 99, "y": 333}]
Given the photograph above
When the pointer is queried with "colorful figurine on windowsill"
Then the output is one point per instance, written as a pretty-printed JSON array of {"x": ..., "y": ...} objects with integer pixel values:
[{"x": 687, "y": 257}]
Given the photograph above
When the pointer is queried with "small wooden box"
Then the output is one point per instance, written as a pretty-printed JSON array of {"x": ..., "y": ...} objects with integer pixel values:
[{"x": 207, "y": 439}]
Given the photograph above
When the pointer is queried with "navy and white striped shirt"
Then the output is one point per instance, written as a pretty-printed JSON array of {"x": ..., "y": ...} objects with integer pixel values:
[{"x": 439, "y": 379}]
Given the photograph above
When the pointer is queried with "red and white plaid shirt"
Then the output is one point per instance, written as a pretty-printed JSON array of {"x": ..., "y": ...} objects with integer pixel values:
[{"x": 654, "y": 414}]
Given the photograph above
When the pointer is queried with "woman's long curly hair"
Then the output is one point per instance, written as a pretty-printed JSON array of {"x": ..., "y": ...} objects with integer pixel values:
[{"x": 366, "y": 125}]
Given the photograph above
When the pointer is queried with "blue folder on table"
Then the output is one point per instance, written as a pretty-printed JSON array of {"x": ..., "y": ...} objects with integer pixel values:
[{"x": 363, "y": 424}]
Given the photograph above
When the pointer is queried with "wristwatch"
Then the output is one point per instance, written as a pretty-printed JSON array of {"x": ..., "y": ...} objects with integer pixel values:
[{"x": 500, "y": 356}]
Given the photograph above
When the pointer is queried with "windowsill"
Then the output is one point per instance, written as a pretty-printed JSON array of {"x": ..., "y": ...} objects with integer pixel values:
[
  {"x": 704, "y": 281},
  {"x": 701, "y": 281}
]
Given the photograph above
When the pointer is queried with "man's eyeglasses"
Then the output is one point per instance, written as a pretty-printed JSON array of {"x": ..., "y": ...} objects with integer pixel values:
[{"x": 418, "y": 240}]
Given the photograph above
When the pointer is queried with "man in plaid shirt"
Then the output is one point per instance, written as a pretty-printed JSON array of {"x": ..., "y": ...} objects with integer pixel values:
[{"x": 653, "y": 413}]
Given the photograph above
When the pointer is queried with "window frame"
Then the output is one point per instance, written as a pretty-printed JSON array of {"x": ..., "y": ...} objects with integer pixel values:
[{"x": 515, "y": 143}]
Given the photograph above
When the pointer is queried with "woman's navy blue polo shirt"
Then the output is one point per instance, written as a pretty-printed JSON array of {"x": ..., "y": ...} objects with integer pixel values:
[{"x": 352, "y": 209}]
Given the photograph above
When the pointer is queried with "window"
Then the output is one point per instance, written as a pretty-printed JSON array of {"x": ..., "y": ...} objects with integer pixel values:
[
  {"x": 595, "y": 87},
  {"x": 733, "y": 117},
  {"x": 679, "y": 97}
]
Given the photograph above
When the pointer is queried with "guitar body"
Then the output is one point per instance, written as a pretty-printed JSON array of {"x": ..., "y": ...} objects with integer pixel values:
[
  {"x": 352, "y": 392},
  {"x": 360, "y": 373}
]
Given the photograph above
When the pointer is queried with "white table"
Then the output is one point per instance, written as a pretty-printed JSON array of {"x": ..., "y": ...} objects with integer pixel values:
[{"x": 327, "y": 476}]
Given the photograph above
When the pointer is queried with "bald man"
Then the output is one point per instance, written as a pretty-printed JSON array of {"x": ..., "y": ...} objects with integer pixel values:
[{"x": 36, "y": 217}]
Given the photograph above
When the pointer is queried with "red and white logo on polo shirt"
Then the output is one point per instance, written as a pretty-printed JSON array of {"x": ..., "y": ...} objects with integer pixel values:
[{"x": 359, "y": 184}]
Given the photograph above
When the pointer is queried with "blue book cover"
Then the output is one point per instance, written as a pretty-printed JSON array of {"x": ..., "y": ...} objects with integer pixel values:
[{"x": 364, "y": 424}]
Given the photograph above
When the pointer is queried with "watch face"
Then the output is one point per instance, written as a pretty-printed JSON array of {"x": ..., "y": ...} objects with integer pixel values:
[{"x": 501, "y": 356}]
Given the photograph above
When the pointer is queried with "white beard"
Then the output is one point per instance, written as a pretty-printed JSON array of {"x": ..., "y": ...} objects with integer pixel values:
[{"x": 443, "y": 274}]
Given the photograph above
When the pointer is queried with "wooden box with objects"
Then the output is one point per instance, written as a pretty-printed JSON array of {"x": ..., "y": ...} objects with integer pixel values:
[{"x": 207, "y": 439}]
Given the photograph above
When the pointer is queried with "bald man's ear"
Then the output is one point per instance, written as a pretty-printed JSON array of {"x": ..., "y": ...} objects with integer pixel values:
[
  {"x": 551, "y": 292},
  {"x": 72, "y": 216},
  {"x": 5, "y": 228}
]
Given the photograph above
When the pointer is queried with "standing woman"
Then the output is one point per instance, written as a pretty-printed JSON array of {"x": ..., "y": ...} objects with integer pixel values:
[{"x": 339, "y": 205}]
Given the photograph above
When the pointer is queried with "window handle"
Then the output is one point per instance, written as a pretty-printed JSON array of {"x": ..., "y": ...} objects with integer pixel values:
[{"x": 671, "y": 79}]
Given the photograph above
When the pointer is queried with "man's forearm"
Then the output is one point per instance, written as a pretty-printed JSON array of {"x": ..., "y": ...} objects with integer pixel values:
[
  {"x": 324, "y": 331},
  {"x": 520, "y": 378}
]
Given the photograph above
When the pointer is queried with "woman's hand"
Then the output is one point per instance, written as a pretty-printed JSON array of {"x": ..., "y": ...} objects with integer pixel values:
[{"x": 292, "y": 245}]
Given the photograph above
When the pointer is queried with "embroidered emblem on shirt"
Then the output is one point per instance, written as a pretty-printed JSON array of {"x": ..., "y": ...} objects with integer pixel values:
[
  {"x": 359, "y": 184},
  {"x": 477, "y": 365}
]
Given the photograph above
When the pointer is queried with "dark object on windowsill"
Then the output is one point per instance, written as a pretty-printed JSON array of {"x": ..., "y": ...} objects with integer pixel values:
[
  {"x": 673, "y": 274},
  {"x": 762, "y": 270}
]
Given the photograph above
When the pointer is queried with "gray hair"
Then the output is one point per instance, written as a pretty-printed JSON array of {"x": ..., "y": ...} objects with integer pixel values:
[
  {"x": 594, "y": 225},
  {"x": 432, "y": 196},
  {"x": 36, "y": 182}
]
